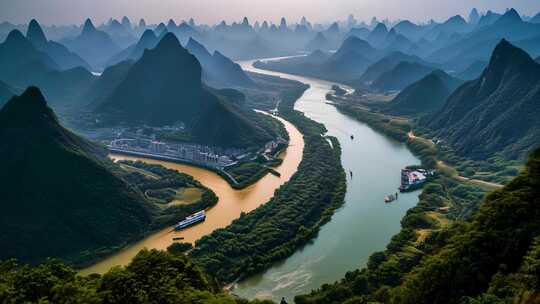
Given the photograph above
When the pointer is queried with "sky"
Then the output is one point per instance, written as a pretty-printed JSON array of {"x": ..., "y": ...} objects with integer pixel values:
[{"x": 213, "y": 11}]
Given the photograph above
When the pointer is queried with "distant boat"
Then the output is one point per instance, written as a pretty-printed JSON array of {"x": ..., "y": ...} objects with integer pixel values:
[
  {"x": 350, "y": 173},
  {"x": 177, "y": 238},
  {"x": 352, "y": 137},
  {"x": 191, "y": 220},
  {"x": 390, "y": 198}
]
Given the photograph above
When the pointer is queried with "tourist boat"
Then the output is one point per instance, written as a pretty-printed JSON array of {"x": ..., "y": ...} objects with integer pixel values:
[
  {"x": 390, "y": 198},
  {"x": 191, "y": 220}
]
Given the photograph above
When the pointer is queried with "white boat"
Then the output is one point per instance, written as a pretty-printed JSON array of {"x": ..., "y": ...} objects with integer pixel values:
[{"x": 191, "y": 220}]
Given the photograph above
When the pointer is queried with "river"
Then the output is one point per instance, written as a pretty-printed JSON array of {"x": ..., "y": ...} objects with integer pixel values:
[
  {"x": 363, "y": 225},
  {"x": 230, "y": 205}
]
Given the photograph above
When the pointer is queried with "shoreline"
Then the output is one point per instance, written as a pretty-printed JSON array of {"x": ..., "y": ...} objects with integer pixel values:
[{"x": 244, "y": 200}]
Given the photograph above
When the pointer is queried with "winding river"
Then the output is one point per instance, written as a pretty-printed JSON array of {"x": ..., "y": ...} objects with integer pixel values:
[
  {"x": 230, "y": 205},
  {"x": 363, "y": 225}
]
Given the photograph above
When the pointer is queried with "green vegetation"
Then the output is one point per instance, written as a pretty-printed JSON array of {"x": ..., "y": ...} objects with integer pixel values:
[
  {"x": 424, "y": 227},
  {"x": 159, "y": 191},
  {"x": 449, "y": 249},
  {"x": 179, "y": 248},
  {"x": 64, "y": 198},
  {"x": 495, "y": 115},
  {"x": 60, "y": 196},
  {"x": 151, "y": 277},
  {"x": 174, "y": 92},
  {"x": 290, "y": 219}
]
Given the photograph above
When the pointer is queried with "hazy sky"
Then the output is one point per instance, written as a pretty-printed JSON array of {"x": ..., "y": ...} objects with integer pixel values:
[{"x": 213, "y": 11}]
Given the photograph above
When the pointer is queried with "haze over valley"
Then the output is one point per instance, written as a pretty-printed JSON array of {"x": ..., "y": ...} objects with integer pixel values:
[{"x": 270, "y": 153}]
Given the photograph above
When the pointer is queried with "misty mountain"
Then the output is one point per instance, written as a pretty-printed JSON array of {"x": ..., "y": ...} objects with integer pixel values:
[
  {"x": 496, "y": 113},
  {"x": 401, "y": 76},
  {"x": 94, "y": 46},
  {"x": 16, "y": 52},
  {"x": 424, "y": 96},
  {"x": 69, "y": 191},
  {"x": 410, "y": 30},
  {"x": 58, "y": 52},
  {"x": 148, "y": 40},
  {"x": 319, "y": 42},
  {"x": 23, "y": 65},
  {"x": 386, "y": 64},
  {"x": 218, "y": 70},
  {"x": 351, "y": 60},
  {"x": 106, "y": 83},
  {"x": 121, "y": 34},
  {"x": 165, "y": 87},
  {"x": 488, "y": 19},
  {"x": 378, "y": 35},
  {"x": 479, "y": 44},
  {"x": 397, "y": 42},
  {"x": 473, "y": 71}
]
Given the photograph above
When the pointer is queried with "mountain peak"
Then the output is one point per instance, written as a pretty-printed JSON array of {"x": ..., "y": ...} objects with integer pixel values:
[
  {"x": 142, "y": 23},
  {"x": 510, "y": 16},
  {"x": 35, "y": 33},
  {"x": 507, "y": 54},
  {"x": 23, "y": 110},
  {"x": 88, "y": 26},
  {"x": 147, "y": 36},
  {"x": 169, "y": 41},
  {"x": 126, "y": 22},
  {"x": 15, "y": 36},
  {"x": 381, "y": 27},
  {"x": 171, "y": 24},
  {"x": 457, "y": 19}
]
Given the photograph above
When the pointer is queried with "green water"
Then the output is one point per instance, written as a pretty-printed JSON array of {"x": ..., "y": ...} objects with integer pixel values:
[{"x": 364, "y": 224}]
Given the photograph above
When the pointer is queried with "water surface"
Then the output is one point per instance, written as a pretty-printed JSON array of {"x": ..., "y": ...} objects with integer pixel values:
[
  {"x": 230, "y": 205},
  {"x": 364, "y": 224}
]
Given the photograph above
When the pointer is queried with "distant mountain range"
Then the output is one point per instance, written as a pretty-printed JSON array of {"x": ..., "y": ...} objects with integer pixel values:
[
  {"x": 386, "y": 64},
  {"x": 24, "y": 65},
  {"x": 165, "y": 87},
  {"x": 424, "y": 96},
  {"x": 496, "y": 113},
  {"x": 319, "y": 42},
  {"x": 60, "y": 195},
  {"x": 58, "y": 52},
  {"x": 218, "y": 70},
  {"x": 148, "y": 40},
  {"x": 94, "y": 46},
  {"x": 402, "y": 75}
]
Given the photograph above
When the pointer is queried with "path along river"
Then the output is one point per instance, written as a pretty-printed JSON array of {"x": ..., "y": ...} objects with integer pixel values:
[{"x": 364, "y": 224}]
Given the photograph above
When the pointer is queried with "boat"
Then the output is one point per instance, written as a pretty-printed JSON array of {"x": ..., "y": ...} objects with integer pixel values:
[
  {"x": 177, "y": 238},
  {"x": 191, "y": 220},
  {"x": 390, "y": 198},
  {"x": 352, "y": 137}
]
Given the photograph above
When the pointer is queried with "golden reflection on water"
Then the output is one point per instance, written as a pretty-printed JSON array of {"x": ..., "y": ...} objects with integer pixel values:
[{"x": 230, "y": 205}]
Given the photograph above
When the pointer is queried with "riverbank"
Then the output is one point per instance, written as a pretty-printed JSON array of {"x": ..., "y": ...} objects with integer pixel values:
[
  {"x": 443, "y": 201},
  {"x": 294, "y": 215},
  {"x": 231, "y": 205}
]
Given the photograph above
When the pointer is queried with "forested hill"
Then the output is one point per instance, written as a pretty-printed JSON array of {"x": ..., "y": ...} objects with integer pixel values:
[
  {"x": 496, "y": 113},
  {"x": 153, "y": 276},
  {"x": 165, "y": 87},
  {"x": 494, "y": 258},
  {"x": 59, "y": 198}
]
